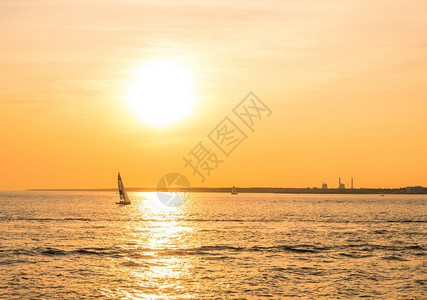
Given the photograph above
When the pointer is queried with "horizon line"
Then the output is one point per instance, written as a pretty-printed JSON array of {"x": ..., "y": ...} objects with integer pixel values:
[{"x": 215, "y": 187}]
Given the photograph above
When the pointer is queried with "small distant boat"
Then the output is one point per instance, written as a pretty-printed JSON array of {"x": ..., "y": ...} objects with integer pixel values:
[
  {"x": 234, "y": 190},
  {"x": 124, "y": 198}
]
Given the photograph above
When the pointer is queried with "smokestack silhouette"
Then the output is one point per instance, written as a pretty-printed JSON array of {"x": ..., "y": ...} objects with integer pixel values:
[{"x": 352, "y": 182}]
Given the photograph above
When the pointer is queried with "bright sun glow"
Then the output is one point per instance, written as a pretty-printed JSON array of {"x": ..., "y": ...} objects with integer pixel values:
[{"x": 161, "y": 93}]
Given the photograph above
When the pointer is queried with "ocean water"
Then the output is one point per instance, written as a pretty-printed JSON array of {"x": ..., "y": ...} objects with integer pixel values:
[{"x": 80, "y": 245}]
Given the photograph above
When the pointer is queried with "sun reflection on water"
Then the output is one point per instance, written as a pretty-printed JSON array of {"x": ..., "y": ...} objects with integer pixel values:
[{"x": 158, "y": 265}]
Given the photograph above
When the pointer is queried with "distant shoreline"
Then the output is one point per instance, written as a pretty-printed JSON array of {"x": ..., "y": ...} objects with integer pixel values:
[{"x": 254, "y": 190}]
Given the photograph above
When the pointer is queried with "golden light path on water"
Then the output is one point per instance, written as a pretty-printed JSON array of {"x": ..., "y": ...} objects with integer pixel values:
[{"x": 161, "y": 235}]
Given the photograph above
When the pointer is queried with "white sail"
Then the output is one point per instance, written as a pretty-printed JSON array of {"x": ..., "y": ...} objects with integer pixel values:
[{"x": 124, "y": 198}]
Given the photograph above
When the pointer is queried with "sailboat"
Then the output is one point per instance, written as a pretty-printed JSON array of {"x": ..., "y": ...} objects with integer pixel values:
[
  {"x": 124, "y": 198},
  {"x": 234, "y": 190}
]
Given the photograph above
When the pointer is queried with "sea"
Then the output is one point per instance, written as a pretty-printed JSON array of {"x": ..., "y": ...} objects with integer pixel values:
[{"x": 81, "y": 245}]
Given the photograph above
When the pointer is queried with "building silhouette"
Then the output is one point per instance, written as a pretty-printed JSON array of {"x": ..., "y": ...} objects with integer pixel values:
[{"x": 341, "y": 186}]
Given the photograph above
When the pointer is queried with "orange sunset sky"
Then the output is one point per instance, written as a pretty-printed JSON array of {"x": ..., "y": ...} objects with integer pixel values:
[{"x": 346, "y": 82}]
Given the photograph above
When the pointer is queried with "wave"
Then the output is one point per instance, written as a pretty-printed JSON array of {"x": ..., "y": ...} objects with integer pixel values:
[
  {"x": 406, "y": 221},
  {"x": 373, "y": 247},
  {"x": 287, "y": 218},
  {"x": 44, "y": 219},
  {"x": 380, "y": 231},
  {"x": 216, "y": 250},
  {"x": 291, "y": 218},
  {"x": 287, "y": 248},
  {"x": 350, "y": 250},
  {"x": 394, "y": 257},
  {"x": 52, "y": 252},
  {"x": 355, "y": 255}
]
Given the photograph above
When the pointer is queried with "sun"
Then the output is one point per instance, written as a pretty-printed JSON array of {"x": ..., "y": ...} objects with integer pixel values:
[{"x": 161, "y": 93}]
